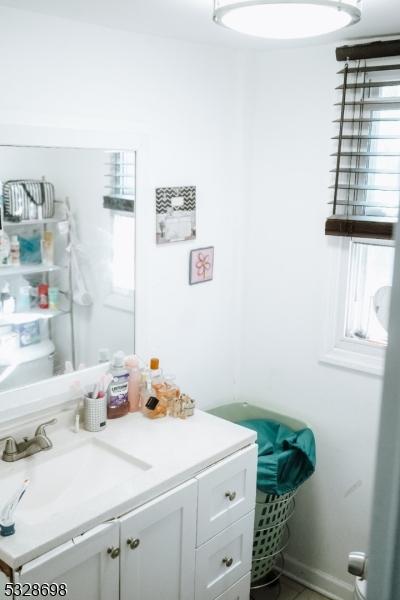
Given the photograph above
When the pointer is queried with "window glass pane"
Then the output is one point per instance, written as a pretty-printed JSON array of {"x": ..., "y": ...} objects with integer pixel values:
[
  {"x": 385, "y": 201},
  {"x": 371, "y": 270},
  {"x": 123, "y": 254},
  {"x": 121, "y": 174}
]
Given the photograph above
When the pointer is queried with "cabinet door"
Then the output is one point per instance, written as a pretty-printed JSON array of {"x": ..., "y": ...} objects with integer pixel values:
[
  {"x": 227, "y": 491},
  {"x": 158, "y": 547},
  {"x": 84, "y": 564}
]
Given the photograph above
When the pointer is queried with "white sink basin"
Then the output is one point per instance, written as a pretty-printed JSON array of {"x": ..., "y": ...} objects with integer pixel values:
[{"x": 62, "y": 480}]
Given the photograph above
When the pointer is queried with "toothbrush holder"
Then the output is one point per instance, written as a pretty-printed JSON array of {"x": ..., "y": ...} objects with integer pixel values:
[{"x": 94, "y": 413}]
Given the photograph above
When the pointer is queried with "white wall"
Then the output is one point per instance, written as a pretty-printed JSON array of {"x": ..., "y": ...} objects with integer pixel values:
[
  {"x": 290, "y": 111},
  {"x": 185, "y": 100}
]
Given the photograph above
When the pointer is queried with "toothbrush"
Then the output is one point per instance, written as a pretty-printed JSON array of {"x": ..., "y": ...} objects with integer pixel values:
[
  {"x": 95, "y": 392},
  {"x": 7, "y": 522},
  {"x": 101, "y": 386},
  {"x": 104, "y": 383}
]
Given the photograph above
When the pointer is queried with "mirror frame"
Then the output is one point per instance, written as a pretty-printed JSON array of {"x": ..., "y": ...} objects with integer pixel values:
[{"x": 49, "y": 393}]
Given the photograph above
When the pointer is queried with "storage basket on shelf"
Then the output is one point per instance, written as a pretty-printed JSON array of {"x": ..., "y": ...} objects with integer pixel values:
[{"x": 272, "y": 511}]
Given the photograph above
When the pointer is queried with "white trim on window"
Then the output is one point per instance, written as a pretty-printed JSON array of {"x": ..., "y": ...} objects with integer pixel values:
[{"x": 339, "y": 350}]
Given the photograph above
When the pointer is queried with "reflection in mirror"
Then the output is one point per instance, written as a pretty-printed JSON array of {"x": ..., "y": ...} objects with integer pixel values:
[{"x": 67, "y": 256}]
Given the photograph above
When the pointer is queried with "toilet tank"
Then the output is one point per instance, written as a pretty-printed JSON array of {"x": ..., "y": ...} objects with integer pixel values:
[{"x": 27, "y": 365}]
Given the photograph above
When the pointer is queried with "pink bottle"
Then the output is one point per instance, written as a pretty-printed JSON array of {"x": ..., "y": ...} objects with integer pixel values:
[{"x": 132, "y": 363}]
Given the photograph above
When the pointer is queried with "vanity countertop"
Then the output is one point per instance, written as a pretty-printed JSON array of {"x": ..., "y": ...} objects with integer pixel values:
[{"x": 88, "y": 478}]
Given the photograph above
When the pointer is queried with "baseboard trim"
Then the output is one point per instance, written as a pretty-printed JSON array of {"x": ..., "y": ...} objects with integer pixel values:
[{"x": 317, "y": 580}]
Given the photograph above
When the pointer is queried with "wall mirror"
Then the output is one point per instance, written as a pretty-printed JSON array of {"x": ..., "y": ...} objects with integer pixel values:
[{"x": 67, "y": 260}]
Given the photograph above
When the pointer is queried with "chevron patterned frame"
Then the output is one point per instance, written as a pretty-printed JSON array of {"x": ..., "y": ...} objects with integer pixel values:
[{"x": 175, "y": 214}]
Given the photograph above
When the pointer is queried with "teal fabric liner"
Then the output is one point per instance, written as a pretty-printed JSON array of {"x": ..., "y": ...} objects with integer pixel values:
[{"x": 286, "y": 458}]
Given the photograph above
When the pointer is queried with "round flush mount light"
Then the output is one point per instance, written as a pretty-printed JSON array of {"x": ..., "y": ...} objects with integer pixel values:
[{"x": 286, "y": 19}]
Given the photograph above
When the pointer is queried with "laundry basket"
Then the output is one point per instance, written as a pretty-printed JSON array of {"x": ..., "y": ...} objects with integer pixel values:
[
  {"x": 271, "y": 532},
  {"x": 272, "y": 512}
]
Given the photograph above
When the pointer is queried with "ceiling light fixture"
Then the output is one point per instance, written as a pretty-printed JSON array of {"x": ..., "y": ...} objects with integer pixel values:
[{"x": 286, "y": 19}]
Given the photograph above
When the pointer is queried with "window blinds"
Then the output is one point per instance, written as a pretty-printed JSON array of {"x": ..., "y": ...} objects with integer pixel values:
[{"x": 366, "y": 171}]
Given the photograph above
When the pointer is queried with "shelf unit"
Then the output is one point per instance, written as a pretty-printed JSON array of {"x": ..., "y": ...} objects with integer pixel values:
[
  {"x": 44, "y": 315},
  {"x": 17, "y": 318},
  {"x": 11, "y": 224},
  {"x": 28, "y": 269}
]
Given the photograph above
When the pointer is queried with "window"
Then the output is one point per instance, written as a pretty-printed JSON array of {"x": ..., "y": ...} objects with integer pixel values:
[
  {"x": 119, "y": 198},
  {"x": 123, "y": 267},
  {"x": 356, "y": 328},
  {"x": 366, "y": 194},
  {"x": 368, "y": 294},
  {"x": 121, "y": 174}
]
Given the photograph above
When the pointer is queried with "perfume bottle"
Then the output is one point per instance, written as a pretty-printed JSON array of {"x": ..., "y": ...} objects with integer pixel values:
[
  {"x": 167, "y": 392},
  {"x": 48, "y": 248},
  {"x": 151, "y": 405}
]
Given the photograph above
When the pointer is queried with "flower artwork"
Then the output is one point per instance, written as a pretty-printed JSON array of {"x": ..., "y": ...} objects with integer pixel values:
[{"x": 201, "y": 265}]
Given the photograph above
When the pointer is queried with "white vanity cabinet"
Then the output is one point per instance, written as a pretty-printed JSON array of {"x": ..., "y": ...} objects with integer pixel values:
[
  {"x": 158, "y": 547},
  {"x": 193, "y": 542},
  {"x": 88, "y": 565}
]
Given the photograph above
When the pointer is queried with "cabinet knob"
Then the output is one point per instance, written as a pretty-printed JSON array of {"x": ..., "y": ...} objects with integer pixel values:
[
  {"x": 133, "y": 543},
  {"x": 113, "y": 552},
  {"x": 230, "y": 495},
  {"x": 227, "y": 561}
]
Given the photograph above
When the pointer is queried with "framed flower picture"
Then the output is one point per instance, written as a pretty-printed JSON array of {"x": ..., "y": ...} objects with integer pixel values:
[{"x": 201, "y": 265}]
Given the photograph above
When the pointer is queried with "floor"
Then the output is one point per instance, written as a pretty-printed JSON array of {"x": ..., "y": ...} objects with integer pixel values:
[{"x": 289, "y": 590}]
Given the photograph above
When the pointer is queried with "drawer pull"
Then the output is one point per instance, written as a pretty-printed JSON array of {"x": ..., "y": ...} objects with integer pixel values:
[
  {"x": 113, "y": 552},
  {"x": 230, "y": 495},
  {"x": 227, "y": 561},
  {"x": 133, "y": 543}
]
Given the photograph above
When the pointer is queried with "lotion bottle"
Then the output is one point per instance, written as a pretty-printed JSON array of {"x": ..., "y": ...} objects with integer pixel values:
[{"x": 134, "y": 382}]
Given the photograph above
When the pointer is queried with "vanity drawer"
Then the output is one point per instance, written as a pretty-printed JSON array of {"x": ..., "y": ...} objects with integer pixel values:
[
  {"x": 225, "y": 559},
  {"x": 227, "y": 492},
  {"x": 239, "y": 591}
]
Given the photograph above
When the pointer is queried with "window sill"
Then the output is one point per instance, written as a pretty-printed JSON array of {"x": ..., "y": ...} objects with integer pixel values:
[
  {"x": 373, "y": 364},
  {"x": 120, "y": 302}
]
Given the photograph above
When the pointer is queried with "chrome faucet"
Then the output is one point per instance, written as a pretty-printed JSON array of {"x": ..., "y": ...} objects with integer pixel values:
[{"x": 16, "y": 450}]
